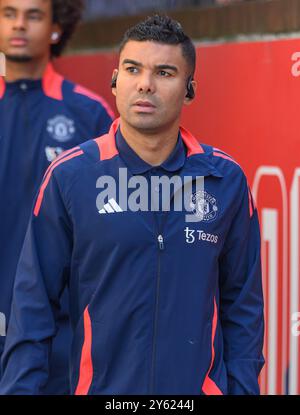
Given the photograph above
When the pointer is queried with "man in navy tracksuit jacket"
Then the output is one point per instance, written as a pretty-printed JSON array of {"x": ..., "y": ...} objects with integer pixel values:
[
  {"x": 39, "y": 119},
  {"x": 162, "y": 300}
]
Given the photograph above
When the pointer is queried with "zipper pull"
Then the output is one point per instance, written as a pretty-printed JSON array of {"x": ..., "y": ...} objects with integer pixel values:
[{"x": 161, "y": 244}]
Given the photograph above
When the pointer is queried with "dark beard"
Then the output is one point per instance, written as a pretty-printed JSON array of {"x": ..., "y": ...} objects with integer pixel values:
[{"x": 19, "y": 58}]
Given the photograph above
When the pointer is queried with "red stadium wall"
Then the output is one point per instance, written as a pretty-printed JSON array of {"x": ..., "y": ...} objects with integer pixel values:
[{"x": 248, "y": 105}]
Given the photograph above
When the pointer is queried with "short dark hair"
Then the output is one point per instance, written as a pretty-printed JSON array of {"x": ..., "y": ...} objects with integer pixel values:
[
  {"x": 67, "y": 14},
  {"x": 162, "y": 29}
]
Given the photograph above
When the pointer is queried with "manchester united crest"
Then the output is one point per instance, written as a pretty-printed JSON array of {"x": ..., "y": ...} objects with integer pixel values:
[
  {"x": 204, "y": 206},
  {"x": 61, "y": 128}
]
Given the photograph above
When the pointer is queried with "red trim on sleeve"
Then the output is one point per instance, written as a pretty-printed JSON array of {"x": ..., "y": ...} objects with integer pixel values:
[
  {"x": 61, "y": 156},
  {"x": 83, "y": 91},
  {"x": 209, "y": 386},
  {"x": 223, "y": 156},
  {"x": 86, "y": 370},
  {"x": 45, "y": 183},
  {"x": 250, "y": 203}
]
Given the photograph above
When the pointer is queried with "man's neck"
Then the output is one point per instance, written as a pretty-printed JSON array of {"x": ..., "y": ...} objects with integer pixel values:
[
  {"x": 153, "y": 148},
  {"x": 25, "y": 70}
]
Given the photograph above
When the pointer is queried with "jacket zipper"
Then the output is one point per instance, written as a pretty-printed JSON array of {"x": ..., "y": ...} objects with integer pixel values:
[
  {"x": 161, "y": 243},
  {"x": 24, "y": 89},
  {"x": 161, "y": 247}
]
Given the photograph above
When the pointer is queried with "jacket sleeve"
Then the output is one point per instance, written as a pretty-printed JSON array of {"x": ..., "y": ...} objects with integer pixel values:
[
  {"x": 41, "y": 276},
  {"x": 241, "y": 299},
  {"x": 104, "y": 116}
]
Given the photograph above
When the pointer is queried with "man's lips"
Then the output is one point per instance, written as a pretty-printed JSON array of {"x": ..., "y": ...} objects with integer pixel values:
[
  {"x": 18, "y": 41},
  {"x": 144, "y": 106}
]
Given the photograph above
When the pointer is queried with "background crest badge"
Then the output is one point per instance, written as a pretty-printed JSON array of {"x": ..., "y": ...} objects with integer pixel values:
[{"x": 61, "y": 128}]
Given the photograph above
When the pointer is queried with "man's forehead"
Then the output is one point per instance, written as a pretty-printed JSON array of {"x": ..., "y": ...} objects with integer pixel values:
[
  {"x": 154, "y": 53},
  {"x": 25, "y": 4}
]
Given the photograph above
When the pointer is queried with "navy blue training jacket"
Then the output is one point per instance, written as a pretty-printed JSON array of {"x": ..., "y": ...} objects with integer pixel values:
[
  {"x": 158, "y": 305},
  {"x": 39, "y": 119}
]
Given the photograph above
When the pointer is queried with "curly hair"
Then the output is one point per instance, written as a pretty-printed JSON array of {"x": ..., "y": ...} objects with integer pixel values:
[
  {"x": 67, "y": 14},
  {"x": 162, "y": 29}
]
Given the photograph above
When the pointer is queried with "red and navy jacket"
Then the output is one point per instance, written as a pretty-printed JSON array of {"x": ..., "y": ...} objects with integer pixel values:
[
  {"x": 39, "y": 119},
  {"x": 157, "y": 305}
]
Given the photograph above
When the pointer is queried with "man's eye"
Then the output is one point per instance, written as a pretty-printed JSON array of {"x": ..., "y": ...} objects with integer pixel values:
[
  {"x": 164, "y": 73},
  {"x": 34, "y": 16},
  {"x": 9, "y": 14},
  {"x": 132, "y": 69}
]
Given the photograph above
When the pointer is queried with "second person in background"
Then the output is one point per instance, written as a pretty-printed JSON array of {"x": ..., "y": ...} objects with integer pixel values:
[{"x": 41, "y": 115}]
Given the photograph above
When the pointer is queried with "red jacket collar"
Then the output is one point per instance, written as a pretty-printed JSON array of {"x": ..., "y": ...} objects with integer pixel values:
[
  {"x": 52, "y": 83},
  {"x": 108, "y": 148}
]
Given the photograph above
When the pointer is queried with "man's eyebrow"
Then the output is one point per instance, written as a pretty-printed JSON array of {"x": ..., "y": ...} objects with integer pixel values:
[
  {"x": 131, "y": 62},
  {"x": 13, "y": 9},
  {"x": 161, "y": 67},
  {"x": 35, "y": 11},
  {"x": 170, "y": 67},
  {"x": 8, "y": 9}
]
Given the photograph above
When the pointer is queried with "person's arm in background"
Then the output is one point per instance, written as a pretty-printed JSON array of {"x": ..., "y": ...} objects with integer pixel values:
[
  {"x": 98, "y": 110},
  {"x": 104, "y": 117},
  {"x": 241, "y": 299},
  {"x": 40, "y": 279}
]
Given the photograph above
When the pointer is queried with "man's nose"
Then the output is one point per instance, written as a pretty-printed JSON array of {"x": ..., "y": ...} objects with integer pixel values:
[
  {"x": 146, "y": 84},
  {"x": 20, "y": 22}
]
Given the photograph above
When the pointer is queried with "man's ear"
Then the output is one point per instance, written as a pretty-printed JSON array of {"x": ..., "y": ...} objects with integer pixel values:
[
  {"x": 56, "y": 34},
  {"x": 114, "y": 81},
  {"x": 191, "y": 92}
]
